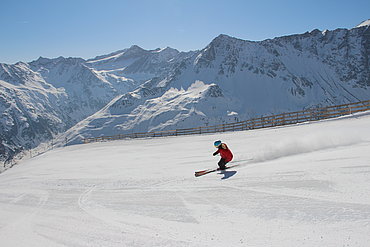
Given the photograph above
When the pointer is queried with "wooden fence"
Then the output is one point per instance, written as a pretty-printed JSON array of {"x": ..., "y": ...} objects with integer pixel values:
[{"x": 255, "y": 123}]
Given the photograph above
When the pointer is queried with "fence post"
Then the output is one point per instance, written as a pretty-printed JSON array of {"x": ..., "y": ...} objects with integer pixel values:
[{"x": 312, "y": 117}]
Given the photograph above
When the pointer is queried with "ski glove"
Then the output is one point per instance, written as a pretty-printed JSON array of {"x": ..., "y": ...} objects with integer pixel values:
[{"x": 215, "y": 153}]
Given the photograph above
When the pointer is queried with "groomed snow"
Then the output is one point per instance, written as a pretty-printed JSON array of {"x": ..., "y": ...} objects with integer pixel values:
[{"x": 303, "y": 185}]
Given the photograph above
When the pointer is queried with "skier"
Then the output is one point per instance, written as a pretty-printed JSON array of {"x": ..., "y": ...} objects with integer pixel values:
[{"x": 225, "y": 152}]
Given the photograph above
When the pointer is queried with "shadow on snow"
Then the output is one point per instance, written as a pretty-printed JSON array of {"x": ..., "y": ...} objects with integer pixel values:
[{"x": 227, "y": 174}]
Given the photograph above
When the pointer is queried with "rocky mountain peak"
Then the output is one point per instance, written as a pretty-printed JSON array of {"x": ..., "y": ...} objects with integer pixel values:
[{"x": 134, "y": 50}]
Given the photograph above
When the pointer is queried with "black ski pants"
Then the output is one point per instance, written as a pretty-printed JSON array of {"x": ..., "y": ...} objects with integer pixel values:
[{"x": 222, "y": 163}]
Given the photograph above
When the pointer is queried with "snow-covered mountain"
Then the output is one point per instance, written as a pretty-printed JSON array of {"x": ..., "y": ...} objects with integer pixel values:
[
  {"x": 137, "y": 63},
  {"x": 29, "y": 108},
  {"x": 233, "y": 79},
  {"x": 146, "y": 90},
  {"x": 43, "y": 98}
]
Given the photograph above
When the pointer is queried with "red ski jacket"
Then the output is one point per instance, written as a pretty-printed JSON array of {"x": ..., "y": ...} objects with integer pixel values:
[{"x": 225, "y": 152}]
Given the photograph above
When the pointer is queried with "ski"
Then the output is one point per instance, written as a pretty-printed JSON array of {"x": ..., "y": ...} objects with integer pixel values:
[{"x": 204, "y": 172}]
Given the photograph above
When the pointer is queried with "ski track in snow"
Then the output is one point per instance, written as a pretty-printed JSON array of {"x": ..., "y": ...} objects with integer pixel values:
[{"x": 303, "y": 185}]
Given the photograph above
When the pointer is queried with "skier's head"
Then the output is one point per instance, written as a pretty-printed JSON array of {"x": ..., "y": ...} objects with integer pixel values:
[{"x": 217, "y": 144}]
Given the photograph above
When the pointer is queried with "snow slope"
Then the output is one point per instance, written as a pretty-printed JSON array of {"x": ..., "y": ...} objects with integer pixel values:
[
  {"x": 176, "y": 107},
  {"x": 302, "y": 185}
]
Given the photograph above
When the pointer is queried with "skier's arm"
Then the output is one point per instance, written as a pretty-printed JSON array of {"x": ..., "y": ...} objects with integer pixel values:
[{"x": 215, "y": 153}]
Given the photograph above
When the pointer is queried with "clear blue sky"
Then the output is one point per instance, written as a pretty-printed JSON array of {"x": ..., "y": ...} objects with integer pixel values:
[{"x": 87, "y": 28}]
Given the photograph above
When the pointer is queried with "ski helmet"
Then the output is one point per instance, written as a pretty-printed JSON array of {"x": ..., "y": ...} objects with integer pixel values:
[{"x": 217, "y": 144}]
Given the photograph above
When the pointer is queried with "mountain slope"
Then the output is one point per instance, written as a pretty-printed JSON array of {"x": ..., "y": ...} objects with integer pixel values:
[
  {"x": 44, "y": 98},
  {"x": 199, "y": 103},
  {"x": 87, "y": 92},
  {"x": 252, "y": 78},
  {"x": 29, "y": 107},
  {"x": 137, "y": 63}
]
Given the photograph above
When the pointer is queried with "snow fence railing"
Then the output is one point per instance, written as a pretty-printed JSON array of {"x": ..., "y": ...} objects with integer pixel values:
[{"x": 314, "y": 114}]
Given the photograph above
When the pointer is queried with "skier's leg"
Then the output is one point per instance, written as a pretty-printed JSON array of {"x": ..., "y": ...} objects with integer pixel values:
[{"x": 222, "y": 164}]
